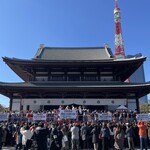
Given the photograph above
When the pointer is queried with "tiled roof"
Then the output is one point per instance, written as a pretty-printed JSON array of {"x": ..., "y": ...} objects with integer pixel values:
[{"x": 99, "y": 53}]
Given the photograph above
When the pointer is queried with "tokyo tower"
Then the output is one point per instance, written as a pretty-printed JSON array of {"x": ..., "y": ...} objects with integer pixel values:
[{"x": 119, "y": 46}]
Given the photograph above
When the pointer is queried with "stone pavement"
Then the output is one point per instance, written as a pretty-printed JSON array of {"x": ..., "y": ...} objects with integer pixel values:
[{"x": 8, "y": 148}]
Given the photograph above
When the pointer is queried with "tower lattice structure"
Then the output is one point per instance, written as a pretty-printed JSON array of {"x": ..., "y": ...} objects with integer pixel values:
[{"x": 119, "y": 46}]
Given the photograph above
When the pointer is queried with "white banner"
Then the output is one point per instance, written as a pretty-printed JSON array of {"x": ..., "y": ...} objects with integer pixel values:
[
  {"x": 67, "y": 114},
  {"x": 38, "y": 117},
  {"x": 144, "y": 117},
  {"x": 3, "y": 116},
  {"x": 104, "y": 117}
]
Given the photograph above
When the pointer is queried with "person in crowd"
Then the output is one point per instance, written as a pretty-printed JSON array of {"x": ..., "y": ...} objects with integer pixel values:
[
  {"x": 105, "y": 136},
  {"x": 26, "y": 135},
  {"x": 84, "y": 113},
  {"x": 74, "y": 137},
  {"x": 59, "y": 138},
  {"x": 65, "y": 144},
  {"x": 46, "y": 126},
  {"x": 85, "y": 134},
  {"x": 53, "y": 136},
  {"x": 95, "y": 136},
  {"x": 148, "y": 128},
  {"x": 130, "y": 135},
  {"x": 5, "y": 131},
  {"x": 53, "y": 144},
  {"x": 40, "y": 136},
  {"x": 143, "y": 134},
  {"x": 111, "y": 139},
  {"x": 18, "y": 139},
  {"x": 90, "y": 126},
  {"x": 29, "y": 116},
  {"x": 124, "y": 127},
  {"x": 136, "y": 133},
  {"x": 10, "y": 132},
  {"x": 1, "y": 135},
  {"x": 80, "y": 113},
  {"x": 119, "y": 138}
]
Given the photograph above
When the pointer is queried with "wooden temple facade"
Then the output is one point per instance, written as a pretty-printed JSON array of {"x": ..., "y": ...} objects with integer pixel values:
[{"x": 81, "y": 76}]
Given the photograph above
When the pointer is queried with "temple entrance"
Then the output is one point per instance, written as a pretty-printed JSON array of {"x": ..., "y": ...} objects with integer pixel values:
[
  {"x": 92, "y": 108},
  {"x": 50, "y": 107}
]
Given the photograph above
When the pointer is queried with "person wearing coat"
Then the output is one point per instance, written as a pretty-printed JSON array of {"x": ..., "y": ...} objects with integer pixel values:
[
  {"x": 85, "y": 135},
  {"x": 53, "y": 136},
  {"x": 148, "y": 129},
  {"x": 119, "y": 138},
  {"x": 59, "y": 138},
  {"x": 18, "y": 139},
  {"x": 65, "y": 143},
  {"x": 4, "y": 135},
  {"x": 40, "y": 137},
  {"x": 95, "y": 137},
  {"x": 105, "y": 136},
  {"x": 26, "y": 135},
  {"x": 130, "y": 136}
]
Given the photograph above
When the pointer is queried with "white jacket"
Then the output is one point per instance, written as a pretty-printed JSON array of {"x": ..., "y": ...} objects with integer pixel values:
[{"x": 26, "y": 134}]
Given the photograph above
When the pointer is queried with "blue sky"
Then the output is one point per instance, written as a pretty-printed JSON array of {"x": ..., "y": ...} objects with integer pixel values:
[{"x": 25, "y": 24}]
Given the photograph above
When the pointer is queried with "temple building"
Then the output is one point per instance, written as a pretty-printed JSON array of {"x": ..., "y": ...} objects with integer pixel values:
[{"x": 92, "y": 77}]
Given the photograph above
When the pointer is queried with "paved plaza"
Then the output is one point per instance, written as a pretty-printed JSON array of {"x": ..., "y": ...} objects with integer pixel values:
[{"x": 8, "y": 148}]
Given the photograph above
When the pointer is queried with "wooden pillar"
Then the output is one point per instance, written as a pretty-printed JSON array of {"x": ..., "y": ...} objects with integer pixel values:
[{"x": 137, "y": 105}]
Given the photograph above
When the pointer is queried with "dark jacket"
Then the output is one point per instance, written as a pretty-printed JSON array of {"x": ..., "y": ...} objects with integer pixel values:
[
  {"x": 85, "y": 132},
  {"x": 40, "y": 138},
  {"x": 1, "y": 132},
  {"x": 130, "y": 132},
  {"x": 95, "y": 134},
  {"x": 105, "y": 132},
  {"x": 56, "y": 136}
]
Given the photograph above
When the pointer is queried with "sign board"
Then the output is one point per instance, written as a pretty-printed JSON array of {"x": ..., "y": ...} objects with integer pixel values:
[
  {"x": 67, "y": 114},
  {"x": 3, "y": 116},
  {"x": 104, "y": 117},
  {"x": 39, "y": 117},
  {"x": 144, "y": 117}
]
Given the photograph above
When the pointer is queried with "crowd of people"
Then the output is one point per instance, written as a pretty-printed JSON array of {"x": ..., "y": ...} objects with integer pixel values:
[
  {"x": 83, "y": 114},
  {"x": 123, "y": 131}
]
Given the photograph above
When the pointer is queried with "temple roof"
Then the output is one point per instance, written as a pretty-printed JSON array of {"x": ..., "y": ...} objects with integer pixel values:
[
  {"x": 122, "y": 67},
  {"x": 104, "y": 89},
  {"x": 92, "y": 53}
]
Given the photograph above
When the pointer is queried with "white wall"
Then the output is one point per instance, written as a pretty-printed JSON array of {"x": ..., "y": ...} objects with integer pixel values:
[{"x": 16, "y": 105}]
